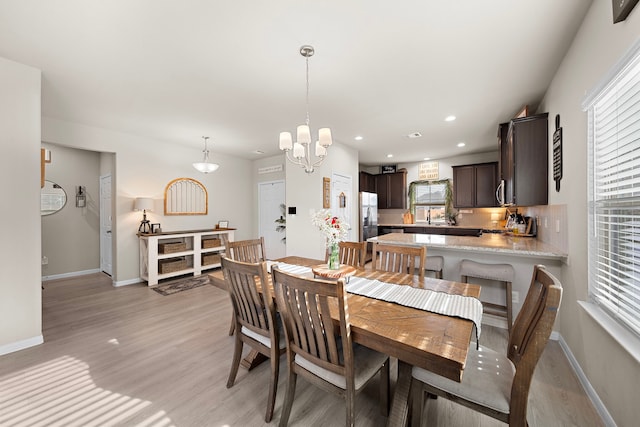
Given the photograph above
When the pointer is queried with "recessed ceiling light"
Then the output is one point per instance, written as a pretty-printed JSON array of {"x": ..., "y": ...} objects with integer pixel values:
[
  {"x": 358, "y": 138},
  {"x": 427, "y": 158},
  {"x": 449, "y": 118},
  {"x": 461, "y": 144},
  {"x": 389, "y": 156},
  {"x": 414, "y": 135}
]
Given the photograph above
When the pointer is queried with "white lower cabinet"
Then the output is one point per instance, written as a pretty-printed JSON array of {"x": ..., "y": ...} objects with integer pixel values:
[{"x": 165, "y": 255}]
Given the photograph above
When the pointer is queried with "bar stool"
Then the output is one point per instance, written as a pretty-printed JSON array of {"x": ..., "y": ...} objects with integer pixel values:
[
  {"x": 500, "y": 272},
  {"x": 435, "y": 264}
]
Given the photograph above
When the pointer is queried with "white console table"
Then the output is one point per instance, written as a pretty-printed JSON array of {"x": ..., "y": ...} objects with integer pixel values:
[{"x": 195, "y": 252}]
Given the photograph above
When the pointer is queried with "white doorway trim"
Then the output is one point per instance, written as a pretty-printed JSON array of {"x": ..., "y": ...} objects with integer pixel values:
[
  {"x": 271, "y": 195},
  {"x": 106, "y": 215}
]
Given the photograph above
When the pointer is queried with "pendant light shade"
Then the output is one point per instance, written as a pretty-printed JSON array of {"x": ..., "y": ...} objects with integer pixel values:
[{"x": 205, "y": 166}]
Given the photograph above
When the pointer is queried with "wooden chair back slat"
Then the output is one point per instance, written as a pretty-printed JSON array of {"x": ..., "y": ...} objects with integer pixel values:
[
  {"x": 252, "y": 309},
  {"x": 251, "y": 250},
  {"x": 351, "y": 253},
  {"x": 399, "y": 259},
  {"x": 530, "y": 335},
  {"x": 305, "y": 306}
]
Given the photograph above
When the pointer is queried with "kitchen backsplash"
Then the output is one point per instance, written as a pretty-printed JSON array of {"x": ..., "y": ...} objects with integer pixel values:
[{"x": 551, "y": 220}]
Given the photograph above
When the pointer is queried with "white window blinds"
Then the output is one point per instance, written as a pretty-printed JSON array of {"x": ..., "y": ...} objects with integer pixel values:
[
  {"x": 430, "y": 194},
  {"x": 614, "y": 195}
]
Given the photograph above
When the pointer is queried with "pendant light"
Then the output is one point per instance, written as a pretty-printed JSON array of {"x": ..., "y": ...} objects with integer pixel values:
[
  {"x": 205, "y": 166},
  {"x": 302, "y": 147}
]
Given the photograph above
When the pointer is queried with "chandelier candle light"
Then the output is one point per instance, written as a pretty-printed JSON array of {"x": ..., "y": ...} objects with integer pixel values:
[
  {"x": 334, "y": 230},
  {"x": 302, "y": 147}
]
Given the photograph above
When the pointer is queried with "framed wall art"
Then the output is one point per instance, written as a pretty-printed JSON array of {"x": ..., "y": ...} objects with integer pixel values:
[{"x": 326, "y": 192}]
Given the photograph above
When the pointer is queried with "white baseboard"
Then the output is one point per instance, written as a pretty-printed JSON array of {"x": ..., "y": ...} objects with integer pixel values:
[
  {"x": 21, "y": 345},
  {"x": 128, "y": 282},
  {"x": 71, "y": 274},
  {"x": 586, "y": 385}
]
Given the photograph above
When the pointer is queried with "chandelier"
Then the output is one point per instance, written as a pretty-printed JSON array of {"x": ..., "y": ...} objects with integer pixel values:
[
  {"x": 205, "y": 166},
  {"x": 302, "y": 147}
]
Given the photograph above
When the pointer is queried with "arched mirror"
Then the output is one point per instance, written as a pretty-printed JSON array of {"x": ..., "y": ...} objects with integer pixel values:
[{"x": 52, "y": 198}]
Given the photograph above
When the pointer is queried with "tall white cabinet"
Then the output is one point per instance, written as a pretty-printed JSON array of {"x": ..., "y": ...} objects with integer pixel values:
[{"x": 171, "y": 254}]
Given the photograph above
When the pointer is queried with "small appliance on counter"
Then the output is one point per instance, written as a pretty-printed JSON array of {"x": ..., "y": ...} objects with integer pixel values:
[{"x": 521, "y": 225}]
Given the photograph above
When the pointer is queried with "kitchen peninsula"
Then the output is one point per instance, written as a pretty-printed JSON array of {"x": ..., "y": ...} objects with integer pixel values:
[{"x": 521, "y": 252}]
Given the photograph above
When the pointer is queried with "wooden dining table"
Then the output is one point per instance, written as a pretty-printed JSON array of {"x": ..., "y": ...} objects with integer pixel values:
[{"x": 415, "y": 337}]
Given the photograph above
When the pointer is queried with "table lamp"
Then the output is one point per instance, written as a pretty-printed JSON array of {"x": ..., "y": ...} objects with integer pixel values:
[{"x": 144, "y": 204}]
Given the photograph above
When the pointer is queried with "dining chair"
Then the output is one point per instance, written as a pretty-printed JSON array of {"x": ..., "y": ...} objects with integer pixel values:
[
  {"x": 399, "y": 259},
  {"x": 493, "y": 383},
  {"x": 251, "y": 250},
  {"x": 254, "y": 319},
  {"x": 351, "y": 253},
  {"x": 320, "y": 350}
]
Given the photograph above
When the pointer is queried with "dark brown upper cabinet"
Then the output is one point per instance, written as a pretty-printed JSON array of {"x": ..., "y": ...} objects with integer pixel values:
[
  {"x": 392, "y": 190},
  {"x": 524, "y": 161},
  {"x": 474, "y": 185},
  {"x": 367, "y": 182}
]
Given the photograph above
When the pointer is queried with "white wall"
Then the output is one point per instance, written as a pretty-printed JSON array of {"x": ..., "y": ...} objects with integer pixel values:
[
  {"x": 143, "y": 168},
  {"x": 304, "y": 191},
  {"x": 21, "y": 300},
  {"x": 599, "y": 44},
  {"x": 71, "y": 236}
]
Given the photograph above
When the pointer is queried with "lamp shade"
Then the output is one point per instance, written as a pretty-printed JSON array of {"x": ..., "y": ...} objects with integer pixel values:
[
  {"x": 143, "y": 204},
  {"x": 206, "y": 167}
]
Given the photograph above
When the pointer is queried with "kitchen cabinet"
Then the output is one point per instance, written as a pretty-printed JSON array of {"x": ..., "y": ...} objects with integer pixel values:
[
  {"x": 367, "y": 182},
  {"x": 474, "y": 185},
  {"x": 524, "y": 161},
  {"x": 392, "y": 190}
]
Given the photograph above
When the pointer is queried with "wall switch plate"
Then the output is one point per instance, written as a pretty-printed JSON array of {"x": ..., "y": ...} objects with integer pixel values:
[
  {"x": 515, "y": 297},
  {"x": 557, "y": 225},
  {"x": 45, "y": 260}
]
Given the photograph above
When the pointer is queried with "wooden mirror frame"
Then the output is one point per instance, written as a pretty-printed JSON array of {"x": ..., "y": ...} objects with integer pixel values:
[{"x": 185, "y": 196}]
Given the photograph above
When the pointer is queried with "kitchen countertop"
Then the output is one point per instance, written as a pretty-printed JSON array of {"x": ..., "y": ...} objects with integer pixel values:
[
  {"x": 423, "y": 224},
  {"x": 487, "y": 243}
]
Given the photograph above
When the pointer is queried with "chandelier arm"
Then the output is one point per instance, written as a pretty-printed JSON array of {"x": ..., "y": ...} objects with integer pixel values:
[
  {"x": 294, "y": 160},
  {"x": 318, "y": 162}
]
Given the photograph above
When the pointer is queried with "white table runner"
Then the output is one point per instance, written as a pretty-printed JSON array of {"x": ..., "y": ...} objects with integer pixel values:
[{"x": 465, "y": 307}]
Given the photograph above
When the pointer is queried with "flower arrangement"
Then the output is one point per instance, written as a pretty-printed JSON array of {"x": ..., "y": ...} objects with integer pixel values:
[{"x": 333, "y": 228}]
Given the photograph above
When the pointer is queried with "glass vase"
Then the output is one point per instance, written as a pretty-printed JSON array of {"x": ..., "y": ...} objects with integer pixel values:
[{"x": 334, "y": 256}]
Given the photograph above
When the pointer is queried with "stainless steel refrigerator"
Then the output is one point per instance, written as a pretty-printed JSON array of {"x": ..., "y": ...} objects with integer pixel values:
[{"x": 368, "y": 218}]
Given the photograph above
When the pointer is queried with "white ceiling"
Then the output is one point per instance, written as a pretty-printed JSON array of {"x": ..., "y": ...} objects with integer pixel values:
[{"x": 231, "y": 70}]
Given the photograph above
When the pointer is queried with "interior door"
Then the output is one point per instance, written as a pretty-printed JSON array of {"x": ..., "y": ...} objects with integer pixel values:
[
  {"x": 342, "y": 201},
  {"x": 271, "y": 198},
  {"x": 106, "y": 240}
]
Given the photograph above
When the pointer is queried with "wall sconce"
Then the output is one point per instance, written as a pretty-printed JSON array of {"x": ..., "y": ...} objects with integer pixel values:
[{"x": 81, "y": 196}]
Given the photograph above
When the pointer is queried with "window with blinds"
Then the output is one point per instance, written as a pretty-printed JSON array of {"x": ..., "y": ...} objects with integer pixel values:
[
  {"x": 429, "y": 202},
  {"x": 614, "y": 194}
]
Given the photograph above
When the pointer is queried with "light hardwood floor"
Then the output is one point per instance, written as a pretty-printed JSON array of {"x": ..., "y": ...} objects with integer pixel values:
[{"x": 131, "y": 357}]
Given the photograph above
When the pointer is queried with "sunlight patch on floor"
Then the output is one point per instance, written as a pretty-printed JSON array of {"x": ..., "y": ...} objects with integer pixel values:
[{"x": 62, "y": 392}]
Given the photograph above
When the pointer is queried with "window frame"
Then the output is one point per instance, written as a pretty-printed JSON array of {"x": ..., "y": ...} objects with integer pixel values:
[
  {"x": 613, "y": 276},
  {"x": 446, "y": 203}
]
